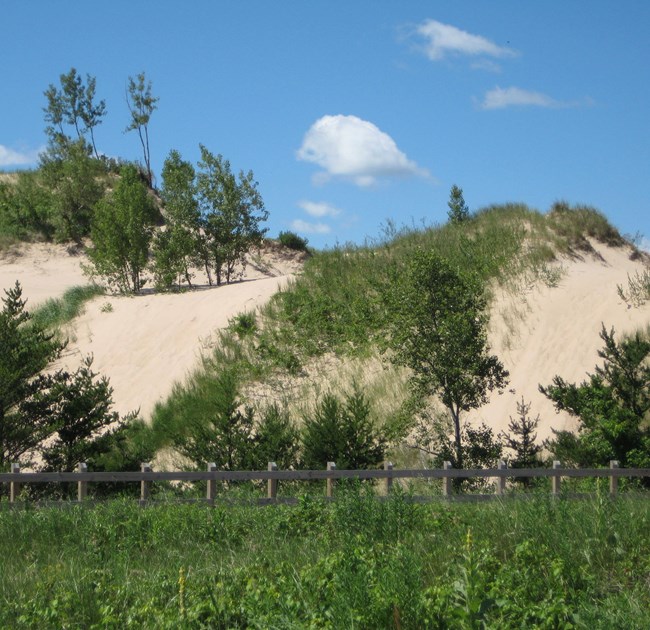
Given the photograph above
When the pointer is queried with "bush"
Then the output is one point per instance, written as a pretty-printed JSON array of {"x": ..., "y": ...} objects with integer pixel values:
[
  {"x": 293, "y": 241},
  {"x": 342, "y": 432}
]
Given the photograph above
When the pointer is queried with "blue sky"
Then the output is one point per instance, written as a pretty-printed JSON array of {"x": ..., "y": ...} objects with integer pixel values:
[{"x": 352, "y": 113}]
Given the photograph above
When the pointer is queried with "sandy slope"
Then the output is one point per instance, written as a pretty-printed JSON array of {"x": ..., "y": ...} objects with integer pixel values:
[
  {"x": 143, "y": 344},
  {"x": 543, "y": 331}
]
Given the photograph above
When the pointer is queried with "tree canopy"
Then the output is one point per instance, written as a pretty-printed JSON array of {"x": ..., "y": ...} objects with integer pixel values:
[{"x": 439, "y": 332}]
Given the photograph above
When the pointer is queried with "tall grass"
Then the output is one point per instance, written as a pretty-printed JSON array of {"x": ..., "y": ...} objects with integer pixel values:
[
  {"x": 354, "y": 563},
  {"x": 57, "y": 312}
]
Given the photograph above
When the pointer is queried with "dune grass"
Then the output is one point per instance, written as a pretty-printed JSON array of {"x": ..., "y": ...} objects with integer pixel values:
[{"x": 57, "y": 312}]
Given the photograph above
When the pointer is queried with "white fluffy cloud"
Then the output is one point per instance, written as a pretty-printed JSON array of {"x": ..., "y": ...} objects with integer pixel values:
[
  {"x": 355, "y": 149},
  {"x": 310, "y": 228},
  {"x": 499, "y": 98},
  {"x": 319, "y": 208},
  {"x": 11, "y": 157},
  {"x": 444, "y": 39}
]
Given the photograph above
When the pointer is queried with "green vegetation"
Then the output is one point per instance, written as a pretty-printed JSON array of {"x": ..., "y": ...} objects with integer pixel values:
[
  {"x": 437, "y": 328},
  {"x": 56, "y": 312},
  {"x": 357, "y": 562},
  {"x": 458, "y": 210},
  {"x": 293, "y": 241},
  {"x": 60, "y": 418},
  {"x": 613, "y": 407},
  {"x": 141, "y": 105}
]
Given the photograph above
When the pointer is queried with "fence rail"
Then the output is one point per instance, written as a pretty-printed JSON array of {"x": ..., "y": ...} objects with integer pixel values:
[{"x": 146, "y": 476}]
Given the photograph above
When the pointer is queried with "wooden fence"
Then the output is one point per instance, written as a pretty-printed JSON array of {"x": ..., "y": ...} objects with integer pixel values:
[{"x": 146, "y": 476}]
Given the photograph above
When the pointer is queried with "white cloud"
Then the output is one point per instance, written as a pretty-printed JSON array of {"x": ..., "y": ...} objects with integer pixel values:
[
  {"x": 351, "y": 148},
  {"x": 500, "y": 98},
  {"x": 310, "y": 228},
  {"x": 319, "y": 208},
  {"x": 11, "y": 157},
  {"x": 444, "y": 39}
]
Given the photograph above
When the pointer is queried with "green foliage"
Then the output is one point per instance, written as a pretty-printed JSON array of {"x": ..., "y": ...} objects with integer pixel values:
[
  {"x": 56, "y": 312},
  {"x": 73, "y": 104},
  {"x": 293, "y": 241},
  {"x": 355, "y": 562},
  {"x": 521, "y": 439},
  {"x": 458, "y": 210},
  {"x": 439, "y": 331},
  {"x": 141, "y": 105},
  {"x": 121, "y": 232},
  {"x": 342, "y": 432},
  {"x": 75, "y": 181},
  {"x": 612, "y": 407},
  {"x": 179, "y": 246},
  {"x": 243, "y": 324},
  {"x": 232, "y": 210},
  {"x": 207, "y": 422},
  {"x": 576, "y": 223},
  {"x": 26, "y": 351}
]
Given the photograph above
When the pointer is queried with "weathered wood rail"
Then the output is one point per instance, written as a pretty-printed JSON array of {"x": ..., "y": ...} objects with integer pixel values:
[{"x": 146, "y": 476}]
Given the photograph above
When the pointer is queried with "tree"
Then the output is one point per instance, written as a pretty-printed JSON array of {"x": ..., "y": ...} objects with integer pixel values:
[
  {"x": 59, "y": 415},
  {"x": 76, "y": 186},
  {"x": 141, "y": 104},
  {"x": 439, "y": 331},
  {"x": 221, "y": 429},
  {"x": 25, "y": 351},
  {"x": 522, "y": 440},
  {"x": 73, "y": 104},
  {"x": 342, "y": 432},
  {"x": 232, "y": 210},
  {"x": 612, "y": 406},
  {"x": 177, "y": 247},
  {"x": 458, "y": 210},
  {"x": 121, "y": 231}
]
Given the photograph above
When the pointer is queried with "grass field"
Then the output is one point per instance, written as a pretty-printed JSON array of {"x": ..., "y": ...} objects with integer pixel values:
[{"x": 353, "y": 563}]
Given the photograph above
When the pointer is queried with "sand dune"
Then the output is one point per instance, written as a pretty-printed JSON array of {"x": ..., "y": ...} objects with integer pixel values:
[{"x": 145, "y": 344}]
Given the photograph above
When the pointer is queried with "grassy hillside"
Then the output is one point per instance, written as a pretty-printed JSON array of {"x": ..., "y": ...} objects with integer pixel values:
[{"x": 338, "y": 308}]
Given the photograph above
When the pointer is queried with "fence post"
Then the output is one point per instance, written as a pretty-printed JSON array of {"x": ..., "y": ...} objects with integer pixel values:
[
  {"x": 14, "y": 486},
  {"x": 501, "y": 481},
  {"x": 613, "y": 481},
  {"x": 388, "y": 467},
  {"x": 330, "y": 482},
  {"x": 211, "y": 492},
  {"x": 556, "y": 480},
  {"x": 82, "y": 486},
  {"x": 145, "y": 486},
  {"x": 272, "y": 485},
  {"x": 446, "y": 481}
]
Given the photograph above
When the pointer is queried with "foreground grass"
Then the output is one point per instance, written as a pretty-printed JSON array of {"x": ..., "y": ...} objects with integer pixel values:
[{"x": 354, "y": 563}]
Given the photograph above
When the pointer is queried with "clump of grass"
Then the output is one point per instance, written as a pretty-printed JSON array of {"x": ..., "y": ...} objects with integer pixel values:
[
  {"x": 638, "y": 288},
  {"x": 57, "y": 312}
]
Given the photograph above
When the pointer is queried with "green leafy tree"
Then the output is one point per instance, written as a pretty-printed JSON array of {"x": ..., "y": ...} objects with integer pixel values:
[
  {"x": 232, "y": 211},
  {"x": 76, "y": 185},
  {"x": 612, "y": 406},
  {"x": 439, "y": 332},
  {"x": 177, "y": 247},
  {"x": 121, "y": 232},
  {"x": 276, "y": 440},
  {"x": 458, "y": 210},
  {"x": 74, "y": 105},
  {"x": 342, "y": 432},
  {"x": 141, "y": 104}
]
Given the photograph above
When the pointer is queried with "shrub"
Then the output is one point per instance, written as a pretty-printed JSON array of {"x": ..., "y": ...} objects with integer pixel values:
[
  {"x": 293, "y": 241},
  {"x": 342, "y": 432}
]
